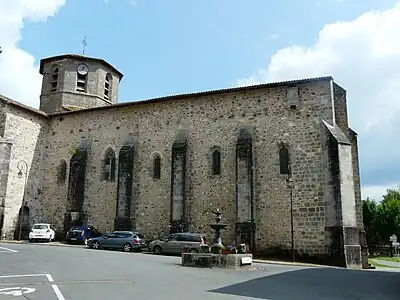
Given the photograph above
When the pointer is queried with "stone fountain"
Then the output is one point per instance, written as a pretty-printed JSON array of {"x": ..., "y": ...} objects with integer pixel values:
[
  {"x": 216, "y": 258},
  {"x": 217, "y": 226}
]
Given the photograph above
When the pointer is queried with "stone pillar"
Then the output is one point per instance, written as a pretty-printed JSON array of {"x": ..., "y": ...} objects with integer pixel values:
[
  {"x": 178, "y": 186},
  {"x": 5, "y": 153},
  {"x": 351, "y": 233},
  {"x": 76, "y": 189},
  {"x": 244, "y": 189},
  {"x": 126, "y": 206}
]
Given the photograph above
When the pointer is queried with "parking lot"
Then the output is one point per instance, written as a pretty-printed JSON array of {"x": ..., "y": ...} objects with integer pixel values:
[{"x": 29, "y": 271}]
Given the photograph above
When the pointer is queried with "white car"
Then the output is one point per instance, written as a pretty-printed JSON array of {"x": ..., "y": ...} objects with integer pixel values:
[{"x": 41, "y": 231}]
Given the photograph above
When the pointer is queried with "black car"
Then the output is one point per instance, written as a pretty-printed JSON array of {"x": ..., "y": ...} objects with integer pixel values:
[{"x": 79, "y": 234}]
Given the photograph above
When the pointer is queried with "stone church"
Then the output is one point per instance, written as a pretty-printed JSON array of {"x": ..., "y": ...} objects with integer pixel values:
[{"x": 267, "y": 155}]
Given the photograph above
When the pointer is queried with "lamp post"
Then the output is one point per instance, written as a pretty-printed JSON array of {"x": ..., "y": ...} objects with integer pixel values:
[
  {"x": 22, "y": 167},
  {"x": 290, "y": 182}
]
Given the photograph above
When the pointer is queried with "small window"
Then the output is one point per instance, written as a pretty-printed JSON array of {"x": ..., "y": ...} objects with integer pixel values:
[
  {"x": 216, "y": 162},
  {"x": 107, "y": 86},
  {"x": 54, "y": 79},
  {"x": 109, "y": 165},
  {"x": 284, "y": 160},
  {"x": 62, "y": 171},
  {"x": 157, "y": 167}
]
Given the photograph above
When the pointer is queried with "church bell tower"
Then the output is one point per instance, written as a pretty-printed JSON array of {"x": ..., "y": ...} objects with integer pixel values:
[{"x": 73, "y": 82}]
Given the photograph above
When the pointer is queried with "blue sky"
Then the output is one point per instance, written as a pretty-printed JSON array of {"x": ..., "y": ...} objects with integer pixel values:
[{"x": 173, "y": 47}]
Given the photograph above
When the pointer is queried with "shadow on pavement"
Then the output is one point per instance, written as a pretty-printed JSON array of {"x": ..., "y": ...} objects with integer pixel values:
[{"x": 320, "y": 283}]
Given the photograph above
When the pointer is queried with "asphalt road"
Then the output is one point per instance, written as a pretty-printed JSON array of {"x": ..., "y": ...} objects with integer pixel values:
[{"x": 75, "y": 273}]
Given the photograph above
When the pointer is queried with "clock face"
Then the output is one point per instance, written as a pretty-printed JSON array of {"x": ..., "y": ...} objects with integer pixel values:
[{"x": 82, "y": 69}]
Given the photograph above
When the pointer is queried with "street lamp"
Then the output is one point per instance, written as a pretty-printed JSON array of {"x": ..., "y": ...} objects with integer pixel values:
[
  {"x": 290, "y": 182},
  {"x": 22, "y": 167}
]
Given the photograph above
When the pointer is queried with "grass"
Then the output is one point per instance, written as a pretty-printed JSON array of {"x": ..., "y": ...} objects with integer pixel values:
[
  {"x": 377, "y": 265},
  {"x": 395, "y": 259}
]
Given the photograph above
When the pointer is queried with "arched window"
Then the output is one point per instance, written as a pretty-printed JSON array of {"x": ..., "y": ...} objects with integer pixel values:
[
  {"x": 62, "y": 171},
  {"x": 284, "y": 159},
  {"x": 54, "y": 79},
  {"x": 216, "y": 162},
  {"x": 109, "y": 165},
  {"x": 107, "y": 86},
  {"x": 157, "y": 167}
]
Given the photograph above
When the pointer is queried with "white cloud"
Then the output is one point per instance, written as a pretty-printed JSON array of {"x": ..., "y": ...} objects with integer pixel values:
[
  {"x": 19, "y": 75},
  {"x": 363, "y": 56},
  {"x": 377, "y": 191}
]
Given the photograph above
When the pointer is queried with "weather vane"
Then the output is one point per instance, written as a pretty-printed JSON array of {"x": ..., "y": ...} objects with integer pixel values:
[{"x": 84, "y": 43}]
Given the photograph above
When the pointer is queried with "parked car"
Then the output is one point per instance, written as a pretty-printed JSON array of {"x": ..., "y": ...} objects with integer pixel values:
[
  {"x": 79, "y": 234},
  {"x": 42, "y": 232},
  {"x": 121, "y": 240},
  {"x": 177, "y": 242}
]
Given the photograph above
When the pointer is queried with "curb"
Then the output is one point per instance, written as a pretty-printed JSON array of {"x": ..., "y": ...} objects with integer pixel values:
[
  {"x": 284, "y": 263},
  {"x": 53, "y": 244}
]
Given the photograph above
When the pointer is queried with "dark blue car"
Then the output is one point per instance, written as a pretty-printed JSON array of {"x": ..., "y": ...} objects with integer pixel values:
[{"x": 79, "y": 234}]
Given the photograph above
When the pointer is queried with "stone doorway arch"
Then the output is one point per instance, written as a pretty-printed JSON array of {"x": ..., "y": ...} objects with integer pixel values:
[{"x": 25, "y": 228}]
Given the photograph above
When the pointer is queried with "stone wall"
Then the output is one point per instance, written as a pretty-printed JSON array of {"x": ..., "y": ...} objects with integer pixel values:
[
  {"x": 209, "y": 121},
  {"x": 25, "y": 138}
]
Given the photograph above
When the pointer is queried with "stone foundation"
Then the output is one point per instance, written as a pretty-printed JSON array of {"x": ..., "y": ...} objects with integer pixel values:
[{"x": 210, "y": 260}]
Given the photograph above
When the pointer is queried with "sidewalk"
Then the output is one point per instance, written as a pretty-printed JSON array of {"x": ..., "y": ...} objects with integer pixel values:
[
  {"x": 57, "y": 244},
  {"x": 288, "y": 263}
]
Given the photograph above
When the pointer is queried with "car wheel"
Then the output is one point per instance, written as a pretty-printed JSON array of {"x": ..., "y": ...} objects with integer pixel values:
[
  {"x": 30, "y": 241},
  {"x": 193, "y": 251},
  {"x": 157, "y": 250},
  {"x": 127, "y": 247},
  {"x": 96, "y": 245}
]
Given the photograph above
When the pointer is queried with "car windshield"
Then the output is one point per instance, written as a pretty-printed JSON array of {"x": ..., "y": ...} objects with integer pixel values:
[
  {"x": 37, "y": 226},
  {"x": 140, "y": 236}
]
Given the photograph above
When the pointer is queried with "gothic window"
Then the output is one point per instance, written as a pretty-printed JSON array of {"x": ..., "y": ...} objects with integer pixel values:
[
  {"x": 109, "y": 165},
  {"x": 157, "y": 167},
  {"x": 284, "y": 159},
  {"x": 62, "y": 171},
  {"x": 107, "y": 86},
  {"x": 216, "y": 162},
  {"x": 54, "y": 79}
]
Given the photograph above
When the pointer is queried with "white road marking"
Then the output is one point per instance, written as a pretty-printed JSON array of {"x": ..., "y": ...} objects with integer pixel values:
[
  {"x": 16, "y": 291},
  {"x": 7, "y": 250},
  {"x": 48, "y": 276},
  {"x": 25, "y": 275},
  {"x": 58, "y": 292}
]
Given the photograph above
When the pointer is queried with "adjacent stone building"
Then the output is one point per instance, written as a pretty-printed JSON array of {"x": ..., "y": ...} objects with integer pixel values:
[{"x": 163, "y": 165}]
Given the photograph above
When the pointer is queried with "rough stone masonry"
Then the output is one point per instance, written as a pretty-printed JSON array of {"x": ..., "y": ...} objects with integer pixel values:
[{"x": 162, "y": 165}]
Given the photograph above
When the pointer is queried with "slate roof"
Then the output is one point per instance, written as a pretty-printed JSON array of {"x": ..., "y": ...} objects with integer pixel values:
[{"x": 337, "y": 133}]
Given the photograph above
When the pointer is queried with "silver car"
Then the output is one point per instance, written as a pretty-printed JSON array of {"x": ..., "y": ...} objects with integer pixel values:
[
  {"x": 178, "y": 243},
  {"x": 125, "y": 240}
]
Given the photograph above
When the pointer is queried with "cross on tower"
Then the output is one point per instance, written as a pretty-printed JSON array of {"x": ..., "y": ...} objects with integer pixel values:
[{"x": 84, "y": 43}]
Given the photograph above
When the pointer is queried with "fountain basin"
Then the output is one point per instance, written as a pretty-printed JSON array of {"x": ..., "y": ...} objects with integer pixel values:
[
  {"x": 211, "y": 260},
  {"x": 218, "y": 226}
]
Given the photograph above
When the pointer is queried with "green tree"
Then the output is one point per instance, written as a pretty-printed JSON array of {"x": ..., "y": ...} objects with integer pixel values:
[
  {"x": 381, "y": 220},
  {"x": 369, "y": 209},
  {"x": 387, "y": 220}
]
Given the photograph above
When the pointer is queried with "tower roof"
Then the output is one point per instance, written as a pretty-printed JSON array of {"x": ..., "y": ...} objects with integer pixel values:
[{"x": 78, "y": 58}]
